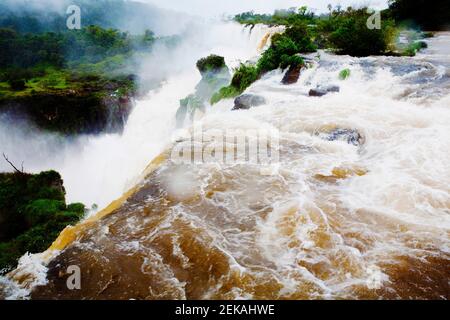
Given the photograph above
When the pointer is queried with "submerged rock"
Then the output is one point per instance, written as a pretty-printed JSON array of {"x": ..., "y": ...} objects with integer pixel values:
[
  {"x": 321, "y": 91},
  {"x": 351, "y": 136},
  {"x": 247, "y": 101}
]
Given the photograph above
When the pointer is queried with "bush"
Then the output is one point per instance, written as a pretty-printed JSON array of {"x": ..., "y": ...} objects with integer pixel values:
[
  {"x": 76, "y": 208},
  {"x": 348, "y": 33},
  {"x": 279, "y": 17},
  {"x": 243, "y": 77},
  {"x": 344, "y": 74},
  {"x": 224, "y": 93},
  {"x": 291, "y": 61},
  {"x": 211, "y": 63},
  {"x": 40, "y": 211},
  {"x": 285, "y": 47},
  {"x": 413, "y": 48}
]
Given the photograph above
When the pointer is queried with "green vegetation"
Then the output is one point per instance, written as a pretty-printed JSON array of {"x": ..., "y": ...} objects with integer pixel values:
[
  {"x": 283, "y": 53},
  {"x": 342, "y": 31},
  {"x": 344, "y": 74},
  {"x": 279, "y": 17},
  {"x": 69, "y": 102},
  {"x": 211, "y": 63},
  {"x": 105, "y": 50},
  {"x": 414, "y": 47},
  {"x": 227, "y": 92},
  {"x": 285, "y": 47},
  {"x": 243, "y": 77},
  {"x": 32, "y": 214},
  {"x": 347, "y": 33},
  {"x": 76, "y": 81}
]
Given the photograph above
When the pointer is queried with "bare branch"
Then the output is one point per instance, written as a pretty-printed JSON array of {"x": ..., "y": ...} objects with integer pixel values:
[{"x": 12, "y": 165}]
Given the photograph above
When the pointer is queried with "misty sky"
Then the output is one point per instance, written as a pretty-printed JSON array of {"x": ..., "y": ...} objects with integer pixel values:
[{"x": 218, "y": 7}]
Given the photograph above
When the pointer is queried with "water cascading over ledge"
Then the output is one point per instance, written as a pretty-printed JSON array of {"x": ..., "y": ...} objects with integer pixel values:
[{"x": 339, "y": 218}]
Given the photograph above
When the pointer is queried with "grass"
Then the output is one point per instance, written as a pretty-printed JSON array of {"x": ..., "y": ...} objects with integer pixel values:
[{"x": 52, "y": 79}]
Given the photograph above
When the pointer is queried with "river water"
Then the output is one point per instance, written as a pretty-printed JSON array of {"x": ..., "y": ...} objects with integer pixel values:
[{"x": 357, "y": 205}]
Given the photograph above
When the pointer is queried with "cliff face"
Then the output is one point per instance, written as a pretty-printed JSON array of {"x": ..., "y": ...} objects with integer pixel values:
[{"x": 87, "y": 110}]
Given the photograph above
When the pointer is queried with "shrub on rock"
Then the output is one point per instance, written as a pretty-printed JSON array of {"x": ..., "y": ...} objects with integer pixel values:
[{"x": 211, "y": 63}]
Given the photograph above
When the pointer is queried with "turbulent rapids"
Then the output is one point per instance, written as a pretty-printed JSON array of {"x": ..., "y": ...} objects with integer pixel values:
[{"x": 338, "y": 217}]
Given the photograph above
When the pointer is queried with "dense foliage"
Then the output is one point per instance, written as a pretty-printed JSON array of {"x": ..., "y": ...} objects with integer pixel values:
[
  {"x": 92, "y": 44},
  {"x": 347, "y": 32},
  {"x": 32, "y": 214},
  {"x": 211, "y": 63},
  {"x": 279, "y": 17},
  {"x": 283, "y": 53},
  {"x": 76, "y": 81},
  {"x": 285, "y": 47}
]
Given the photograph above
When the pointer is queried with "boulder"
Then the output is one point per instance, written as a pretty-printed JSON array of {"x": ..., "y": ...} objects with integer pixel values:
[
  {"x": 247, "y": 101},
  {"x": 351, "y": 136},
  {"x": 292, "y": 75},
  {"x": 321, "y": 91}
]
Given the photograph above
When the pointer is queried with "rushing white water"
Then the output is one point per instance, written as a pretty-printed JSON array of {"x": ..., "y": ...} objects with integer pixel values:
[
  {"x": 398, "y": 206},
  {"x": 98, "y": 169},
  {"x": 336, "y": 220}
]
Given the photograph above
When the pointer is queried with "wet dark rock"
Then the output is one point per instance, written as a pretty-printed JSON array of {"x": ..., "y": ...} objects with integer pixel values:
[
  {"x": 351, "y": 136},
  {"x": 321, "y": 91},
  {"x": 292, "y": 75},
  {"x": 247, "y": 101}
]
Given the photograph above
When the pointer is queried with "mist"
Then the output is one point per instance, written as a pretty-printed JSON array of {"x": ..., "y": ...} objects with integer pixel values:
[
  {"x": 131, "y": 16},
  {"x": 97, "y": 169}
]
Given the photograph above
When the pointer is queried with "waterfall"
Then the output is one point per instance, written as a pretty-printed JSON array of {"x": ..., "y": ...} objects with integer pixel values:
[{"x": 357, "y": 207}]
